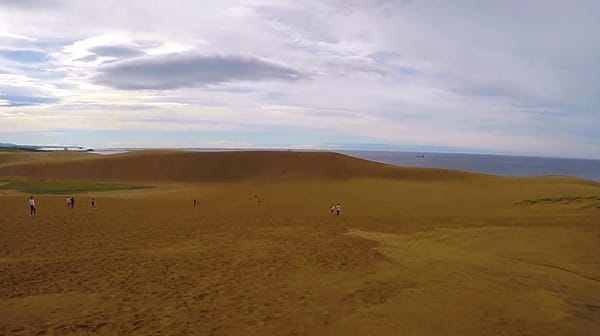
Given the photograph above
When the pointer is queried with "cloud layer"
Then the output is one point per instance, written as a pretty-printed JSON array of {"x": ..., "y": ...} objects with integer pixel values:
[{"x": 496, "y": 76}]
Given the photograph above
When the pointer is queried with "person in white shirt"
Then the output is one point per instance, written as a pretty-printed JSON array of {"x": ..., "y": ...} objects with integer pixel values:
[
  {"x": 31, "y": 206},
  {"x": 338, "y": 208},
  {"x": 68, "y": 202}
]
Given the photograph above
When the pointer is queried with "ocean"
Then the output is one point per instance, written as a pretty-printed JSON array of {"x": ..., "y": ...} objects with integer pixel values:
[{"x": 489, "y": 164}]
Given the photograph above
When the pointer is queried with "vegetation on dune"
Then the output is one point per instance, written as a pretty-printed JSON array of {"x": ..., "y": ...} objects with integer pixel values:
[
  {"x": 63, "y": 187},
  {"x": 589, "y": 201}
]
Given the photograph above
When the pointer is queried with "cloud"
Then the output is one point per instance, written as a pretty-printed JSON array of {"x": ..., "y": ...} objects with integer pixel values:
[
  {"x": 6, "y": 35},
  {"x": 506, "y": 75},
  {"x": 116, "y": 51},
  {"x": 19, "y": 91},
  {"x": 29, "y": 4},
  {"x": 88, "y": 58},
  {"x": 163, "y": 72}
]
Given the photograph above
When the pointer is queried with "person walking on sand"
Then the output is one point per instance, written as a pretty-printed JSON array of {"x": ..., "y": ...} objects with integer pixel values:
[
  {"x": 93, "y": 203},
  {"x": 338, "y": 208},
  {"x": 31, "y": 206},
  {"x": 332, "y": 208},
  {"x": 72, "y": 202},
  {"x": 68, "y": 201}
]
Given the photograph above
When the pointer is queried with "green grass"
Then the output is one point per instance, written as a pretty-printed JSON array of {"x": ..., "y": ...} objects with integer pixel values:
[
  {"x": 589, "y": 201},
  {"x": 63, "y": 187}
]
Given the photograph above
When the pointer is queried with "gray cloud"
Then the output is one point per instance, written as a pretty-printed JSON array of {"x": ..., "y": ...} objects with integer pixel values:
[
  {"x": 88, "y": 58},
  {"x": 188, "y": 70},
  {"x": 29, "y": 4},
  {"x": 116, "y": 51}
]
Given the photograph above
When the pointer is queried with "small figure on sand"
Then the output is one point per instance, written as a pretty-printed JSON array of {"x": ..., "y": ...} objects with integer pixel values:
[
  {"x": 338, "y": 208},
  {"x": 93, "y": 203},
  {"x": 31, "y": 206},
  {"x": 72, "y": 202},
  {"x": 332, "y": 208},
  {"x": 195, "y": 202},
  {"x": 69, "y": 201}
]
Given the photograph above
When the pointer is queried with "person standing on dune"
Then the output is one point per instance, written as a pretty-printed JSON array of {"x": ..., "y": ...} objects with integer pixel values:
[
  {"x": 93, "y": 203},
  {"x": 31, "y": 206},
  {"x": 338, "y": 208}
]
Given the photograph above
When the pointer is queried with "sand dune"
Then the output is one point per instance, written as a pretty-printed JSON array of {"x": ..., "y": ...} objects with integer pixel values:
[
  {"x": 179, "y": 166},
  {"x": 415, "y": 251},
  {"x": 461, "y": 257},
  {"x": 12, "y": 157}
]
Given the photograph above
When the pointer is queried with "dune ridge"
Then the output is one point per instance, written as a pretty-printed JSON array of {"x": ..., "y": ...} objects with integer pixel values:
[
  {"x": 182, "y": 166},
  {"x": 14, "y": 156}
]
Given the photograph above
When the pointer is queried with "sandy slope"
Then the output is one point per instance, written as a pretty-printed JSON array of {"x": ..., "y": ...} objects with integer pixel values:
[
  {"x": 212, "y": 167},
  {"x": 15, "y": 157},
  {"x": 413, "y": 257}
]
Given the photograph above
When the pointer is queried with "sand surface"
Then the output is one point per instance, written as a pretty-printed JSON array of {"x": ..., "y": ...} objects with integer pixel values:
[{"x": 405, "y": 257}]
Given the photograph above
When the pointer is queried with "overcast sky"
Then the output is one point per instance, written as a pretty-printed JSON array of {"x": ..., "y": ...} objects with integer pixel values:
[{"x": 518, "y": 77}]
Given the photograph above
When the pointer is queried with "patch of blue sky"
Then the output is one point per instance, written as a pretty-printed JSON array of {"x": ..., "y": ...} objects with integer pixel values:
[
  {"x": 24, "y": 56},
  {"x": 275, "y": 96},
  {"x": 406, "y": 71},
  {"x": 16, "y": 100},
  {"x": 391, "y": 60}
]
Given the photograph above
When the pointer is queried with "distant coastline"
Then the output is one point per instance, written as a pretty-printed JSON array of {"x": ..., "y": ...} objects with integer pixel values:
[{"x": 44, "y": 148}]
